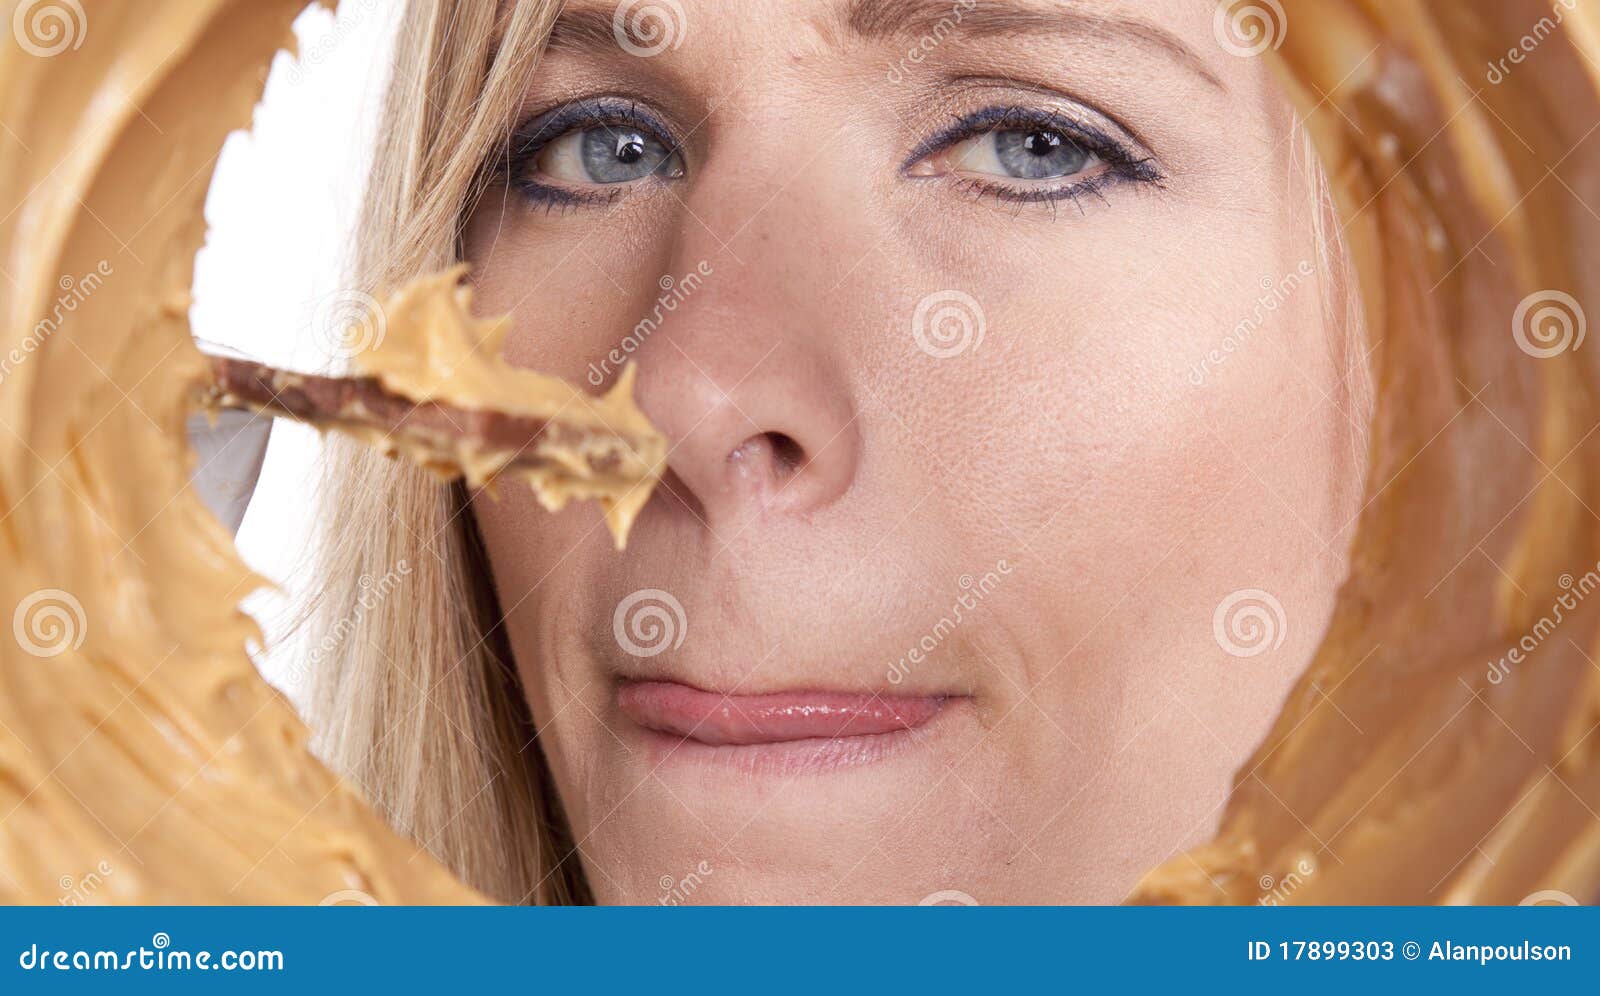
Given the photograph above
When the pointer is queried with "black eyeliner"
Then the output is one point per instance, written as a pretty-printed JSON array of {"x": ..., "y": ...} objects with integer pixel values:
[
  {"x": 535, "y": 134},
  {"x": 1123, "y": 162}
]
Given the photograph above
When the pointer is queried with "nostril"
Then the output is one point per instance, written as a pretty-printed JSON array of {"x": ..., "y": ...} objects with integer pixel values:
[
  {"x": 770, "y": 456},
  {"x": 787, "y": 454}
]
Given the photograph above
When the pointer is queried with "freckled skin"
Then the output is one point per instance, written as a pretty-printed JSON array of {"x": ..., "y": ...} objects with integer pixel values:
[{"x": 832, "y": 483}]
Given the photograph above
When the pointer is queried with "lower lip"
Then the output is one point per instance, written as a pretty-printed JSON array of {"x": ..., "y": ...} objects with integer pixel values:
[{"x": 786, "y": 732}]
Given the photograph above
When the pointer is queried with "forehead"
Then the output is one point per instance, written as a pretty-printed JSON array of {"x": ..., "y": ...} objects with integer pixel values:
[{"x": 1181, "y": 29}]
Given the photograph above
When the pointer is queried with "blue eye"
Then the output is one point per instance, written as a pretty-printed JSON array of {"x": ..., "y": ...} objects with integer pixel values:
[
  {"x": 1016, "y": 154},
  {"x": 590, "y": 152},
  {"x": 1038, "y": 154},
  {"x": 607, "y": 155},
  {"x": 1024, "y": 154}
]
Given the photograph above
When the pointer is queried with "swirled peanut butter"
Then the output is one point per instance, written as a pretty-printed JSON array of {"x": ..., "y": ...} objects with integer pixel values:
[
  {"x": 1441, "y": 747},
  {"x": 137, "y": 740}
]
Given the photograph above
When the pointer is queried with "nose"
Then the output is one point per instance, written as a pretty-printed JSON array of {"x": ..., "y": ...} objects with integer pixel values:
[{"x": 759, "y": 418}]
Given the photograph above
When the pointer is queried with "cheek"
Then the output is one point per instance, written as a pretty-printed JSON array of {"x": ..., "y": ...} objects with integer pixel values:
[
  {"x": 1076, "y": 439},
  {"x": 541, "y": 564},
  {"x": 1074, "y": 421},
  {"x": 571, "y": 287},
  {"x": 571, "y": 290}
]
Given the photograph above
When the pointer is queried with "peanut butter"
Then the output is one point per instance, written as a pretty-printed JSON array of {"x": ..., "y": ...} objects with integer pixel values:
[
  {"x": 1414, "y": 762},
  {"x": 431, "y": 385},
  {"x": 435, "y": 350},
  {"x": 134, "y": 728},
  {"x": 1441, "y": 747}
]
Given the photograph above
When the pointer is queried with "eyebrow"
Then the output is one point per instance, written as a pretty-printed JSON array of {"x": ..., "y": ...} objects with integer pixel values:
[
  {"x": 584, "y": 26},
  {"x": 877, "y": 20}
]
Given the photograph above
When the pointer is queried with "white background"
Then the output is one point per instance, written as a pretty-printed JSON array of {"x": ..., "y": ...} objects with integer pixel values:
[{"x": 280, "y": 212}]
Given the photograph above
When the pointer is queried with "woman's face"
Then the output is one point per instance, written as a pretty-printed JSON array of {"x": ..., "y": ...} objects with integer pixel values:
[{"x": 1002, "y": 403}]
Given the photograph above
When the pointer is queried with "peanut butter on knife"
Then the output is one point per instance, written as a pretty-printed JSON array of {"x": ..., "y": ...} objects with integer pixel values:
[{"x": 432, "y": 387}]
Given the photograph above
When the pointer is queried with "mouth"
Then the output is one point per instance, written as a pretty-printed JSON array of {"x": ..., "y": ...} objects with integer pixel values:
[{"x": 788, "y": 732}]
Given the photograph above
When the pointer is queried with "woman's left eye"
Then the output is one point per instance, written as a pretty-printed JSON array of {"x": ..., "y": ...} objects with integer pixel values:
[
  {"x": 1028, "y": 153},
  {"x": 608, "y": 154}
]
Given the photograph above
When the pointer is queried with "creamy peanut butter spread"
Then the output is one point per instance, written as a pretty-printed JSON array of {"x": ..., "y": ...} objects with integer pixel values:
[
  {"x": 435, "y": 350},
  {"x": 1441, "y": 747},
  {"x": 432, "y": 385},
  {"x": 134, "y": 729}
]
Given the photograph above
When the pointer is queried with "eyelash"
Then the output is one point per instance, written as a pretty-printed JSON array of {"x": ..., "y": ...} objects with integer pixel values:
[
  {"x": 533, "y": 136},
  {"x": 1124, "y": 165}
]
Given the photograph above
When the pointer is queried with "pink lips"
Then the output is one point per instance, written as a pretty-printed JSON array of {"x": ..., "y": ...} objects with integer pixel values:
[{"x": 779, "y": 717}]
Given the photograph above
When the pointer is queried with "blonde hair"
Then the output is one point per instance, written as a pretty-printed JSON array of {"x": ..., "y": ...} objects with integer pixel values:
[{"x": 425, "y": 686}]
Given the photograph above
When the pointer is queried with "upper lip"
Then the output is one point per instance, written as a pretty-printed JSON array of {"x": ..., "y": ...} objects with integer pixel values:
[{"x": 771, "y": 675}]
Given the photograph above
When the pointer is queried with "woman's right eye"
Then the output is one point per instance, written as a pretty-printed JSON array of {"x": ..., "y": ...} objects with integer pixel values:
[{"x": 605, "y": 155}]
